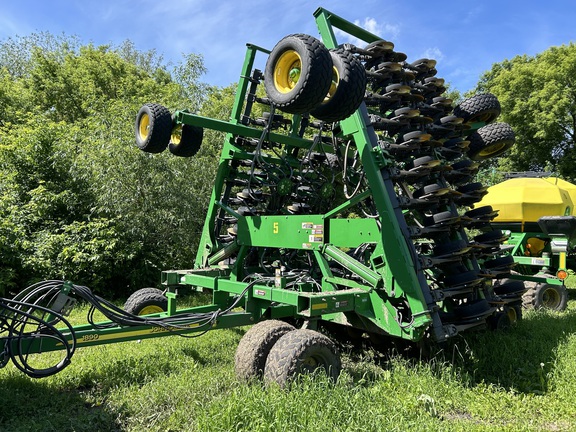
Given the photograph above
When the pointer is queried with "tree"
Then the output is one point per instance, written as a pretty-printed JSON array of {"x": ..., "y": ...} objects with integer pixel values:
[
  {"x": 538, "y": 98},
  {"x": 78, "y": 200}
]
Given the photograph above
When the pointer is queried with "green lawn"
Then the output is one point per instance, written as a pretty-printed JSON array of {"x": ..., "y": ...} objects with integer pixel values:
[{"x": 520, "y": 379}]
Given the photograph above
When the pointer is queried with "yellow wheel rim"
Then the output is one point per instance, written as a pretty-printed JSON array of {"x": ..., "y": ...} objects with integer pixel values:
[
  {"x": 511, "y": 312},
  {"x": 333, "y": 85},
  {"x": 490, "y": 150},
  {"x": 147, "y": 310},
  {"x": 176, "y": 136},
  {"x": 481, "y": 118},
  {"x": 551, "y": 298},
  {"x": 287, "y": 71},
  {"x": 144, "y": 126}
]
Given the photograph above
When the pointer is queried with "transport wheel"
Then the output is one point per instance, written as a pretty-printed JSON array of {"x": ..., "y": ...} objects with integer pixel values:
[
  {"x": 546, "y": 296},
  {"x": 479, "y": 108},
  {"x": 255, "y": 345},
  {"x": 185, "y": 140},
  {"x": 299, "y": 352},
  {"x": 146, "y": 301},
  {"x": 298, "y": 74},
  {"x": 153, "y": 128},
  {"x": 514, "y": 312},
  {"x": 490, "y": 141},
  {"x": 346, "y": 89},
  {"x": 499, "y": 321}
]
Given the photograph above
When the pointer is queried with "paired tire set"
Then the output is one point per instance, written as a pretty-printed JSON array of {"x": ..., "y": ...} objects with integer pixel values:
[
  {"x": 279, "y": 353},
  {"x": 271, "y": 349},
  {"x": 156, "y": 131}
]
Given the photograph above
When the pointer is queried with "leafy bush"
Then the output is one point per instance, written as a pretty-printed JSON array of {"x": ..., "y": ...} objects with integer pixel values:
[{"x": 78, "y": 200}]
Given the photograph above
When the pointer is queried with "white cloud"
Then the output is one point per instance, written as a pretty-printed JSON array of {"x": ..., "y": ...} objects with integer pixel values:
[
  {"x": 434, "y": 53},
  {"x": 385, "y": 31}
]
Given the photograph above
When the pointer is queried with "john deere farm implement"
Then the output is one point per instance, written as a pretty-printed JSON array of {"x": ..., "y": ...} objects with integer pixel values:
[
  {"x": 536, "y": 211},
  {"x": 342, "y": 201}
]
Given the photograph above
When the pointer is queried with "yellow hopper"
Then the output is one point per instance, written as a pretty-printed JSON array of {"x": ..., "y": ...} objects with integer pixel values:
[{"x": 527, "y": 199}]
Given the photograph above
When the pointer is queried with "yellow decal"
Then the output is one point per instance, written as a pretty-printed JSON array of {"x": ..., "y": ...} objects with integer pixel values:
[{"x": 92, "y": 337}]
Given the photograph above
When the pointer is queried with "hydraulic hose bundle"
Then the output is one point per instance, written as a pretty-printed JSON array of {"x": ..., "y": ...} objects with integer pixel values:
[{"x": 34, "y": 314}]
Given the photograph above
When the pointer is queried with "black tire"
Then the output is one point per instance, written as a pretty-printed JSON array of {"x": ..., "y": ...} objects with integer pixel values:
[
  {"x": 483, "y": 211},
  {"x": 449, "y": 248},
  {"x": 500, "y": 321},
  {"x": 466, "y": 278},
  {"x": 490, "y": 141},
  {"x": 185, "y": 140},
  {"x": 479, "y": 108},
  {"x": 510, "y": 288},
  {"x": 434, "y": 188},
  {"x": 496, "y": 236},
  {"x": 346, "y": 90},
  {"x": 425, "y": 162},
  {"x": 153, "y": 128},
  {"x": 472, "y": 188},
  {"x": 442, "y": 217},
  {"x": 514, "y": 312},
  {"x": 546, "y": 296},
  {"x": 255, "y": 345},
  {"x": 146, "y": 301},
  {"x": 308, "y": 55},
  {"x": 301, "y": 351}
]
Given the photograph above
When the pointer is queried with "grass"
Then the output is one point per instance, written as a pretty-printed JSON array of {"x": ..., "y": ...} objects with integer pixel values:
[{"x": 523, "y": 379}]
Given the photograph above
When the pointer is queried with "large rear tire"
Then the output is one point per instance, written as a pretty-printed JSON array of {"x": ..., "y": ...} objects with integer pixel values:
[
  {"x": 255, "y": 345},
  {"x": 299, "y": 352},
  {"x": 298, "y": 74},
  {"x": 346, "y": 90}
]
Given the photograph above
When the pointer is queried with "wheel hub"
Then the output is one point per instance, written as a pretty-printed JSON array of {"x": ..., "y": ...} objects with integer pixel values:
[
  {"x": 287, "y": 71},
  {"x": 144, "y": 127}
]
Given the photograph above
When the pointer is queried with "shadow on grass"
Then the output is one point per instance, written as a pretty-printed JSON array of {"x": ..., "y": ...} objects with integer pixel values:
[
  {"x": 34, "y": 405},
  {"x": 76, "y": 400},
  {"x": 520, "y": 359}
]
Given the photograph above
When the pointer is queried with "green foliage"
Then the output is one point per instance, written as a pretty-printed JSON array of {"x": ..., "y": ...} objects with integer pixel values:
[
  {"x": 78, "y": 200},
  {"x": 520, "y": 379},
  {"x": 538, "y": 98}
]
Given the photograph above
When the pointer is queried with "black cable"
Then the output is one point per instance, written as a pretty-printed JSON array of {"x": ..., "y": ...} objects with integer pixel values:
[
  {"x": 18, "y": 314},
  {"x": 18, "y": 331}
]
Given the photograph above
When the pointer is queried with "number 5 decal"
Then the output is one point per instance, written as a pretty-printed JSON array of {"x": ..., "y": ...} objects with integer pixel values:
[{"x": 275, "y": 228}]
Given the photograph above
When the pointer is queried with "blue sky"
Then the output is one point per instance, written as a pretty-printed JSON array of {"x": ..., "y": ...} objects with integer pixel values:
[{"x": 465, "y": 37}]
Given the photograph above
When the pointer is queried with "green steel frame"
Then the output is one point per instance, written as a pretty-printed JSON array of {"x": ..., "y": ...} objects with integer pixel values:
[
  {"x": 395, "y": 274},
  {"x": 391, "y": 280},
  {"x": 546, "y": 265}
]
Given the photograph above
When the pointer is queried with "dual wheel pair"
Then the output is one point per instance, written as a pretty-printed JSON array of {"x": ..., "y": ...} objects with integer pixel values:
[
  {"x": 279, "y": 353},
  {"x": 303, "y": 76},
  {"x": 156, "y": 130},
  {"x": 492, "y": 139},
  {"x": 271, "y": 349}
]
